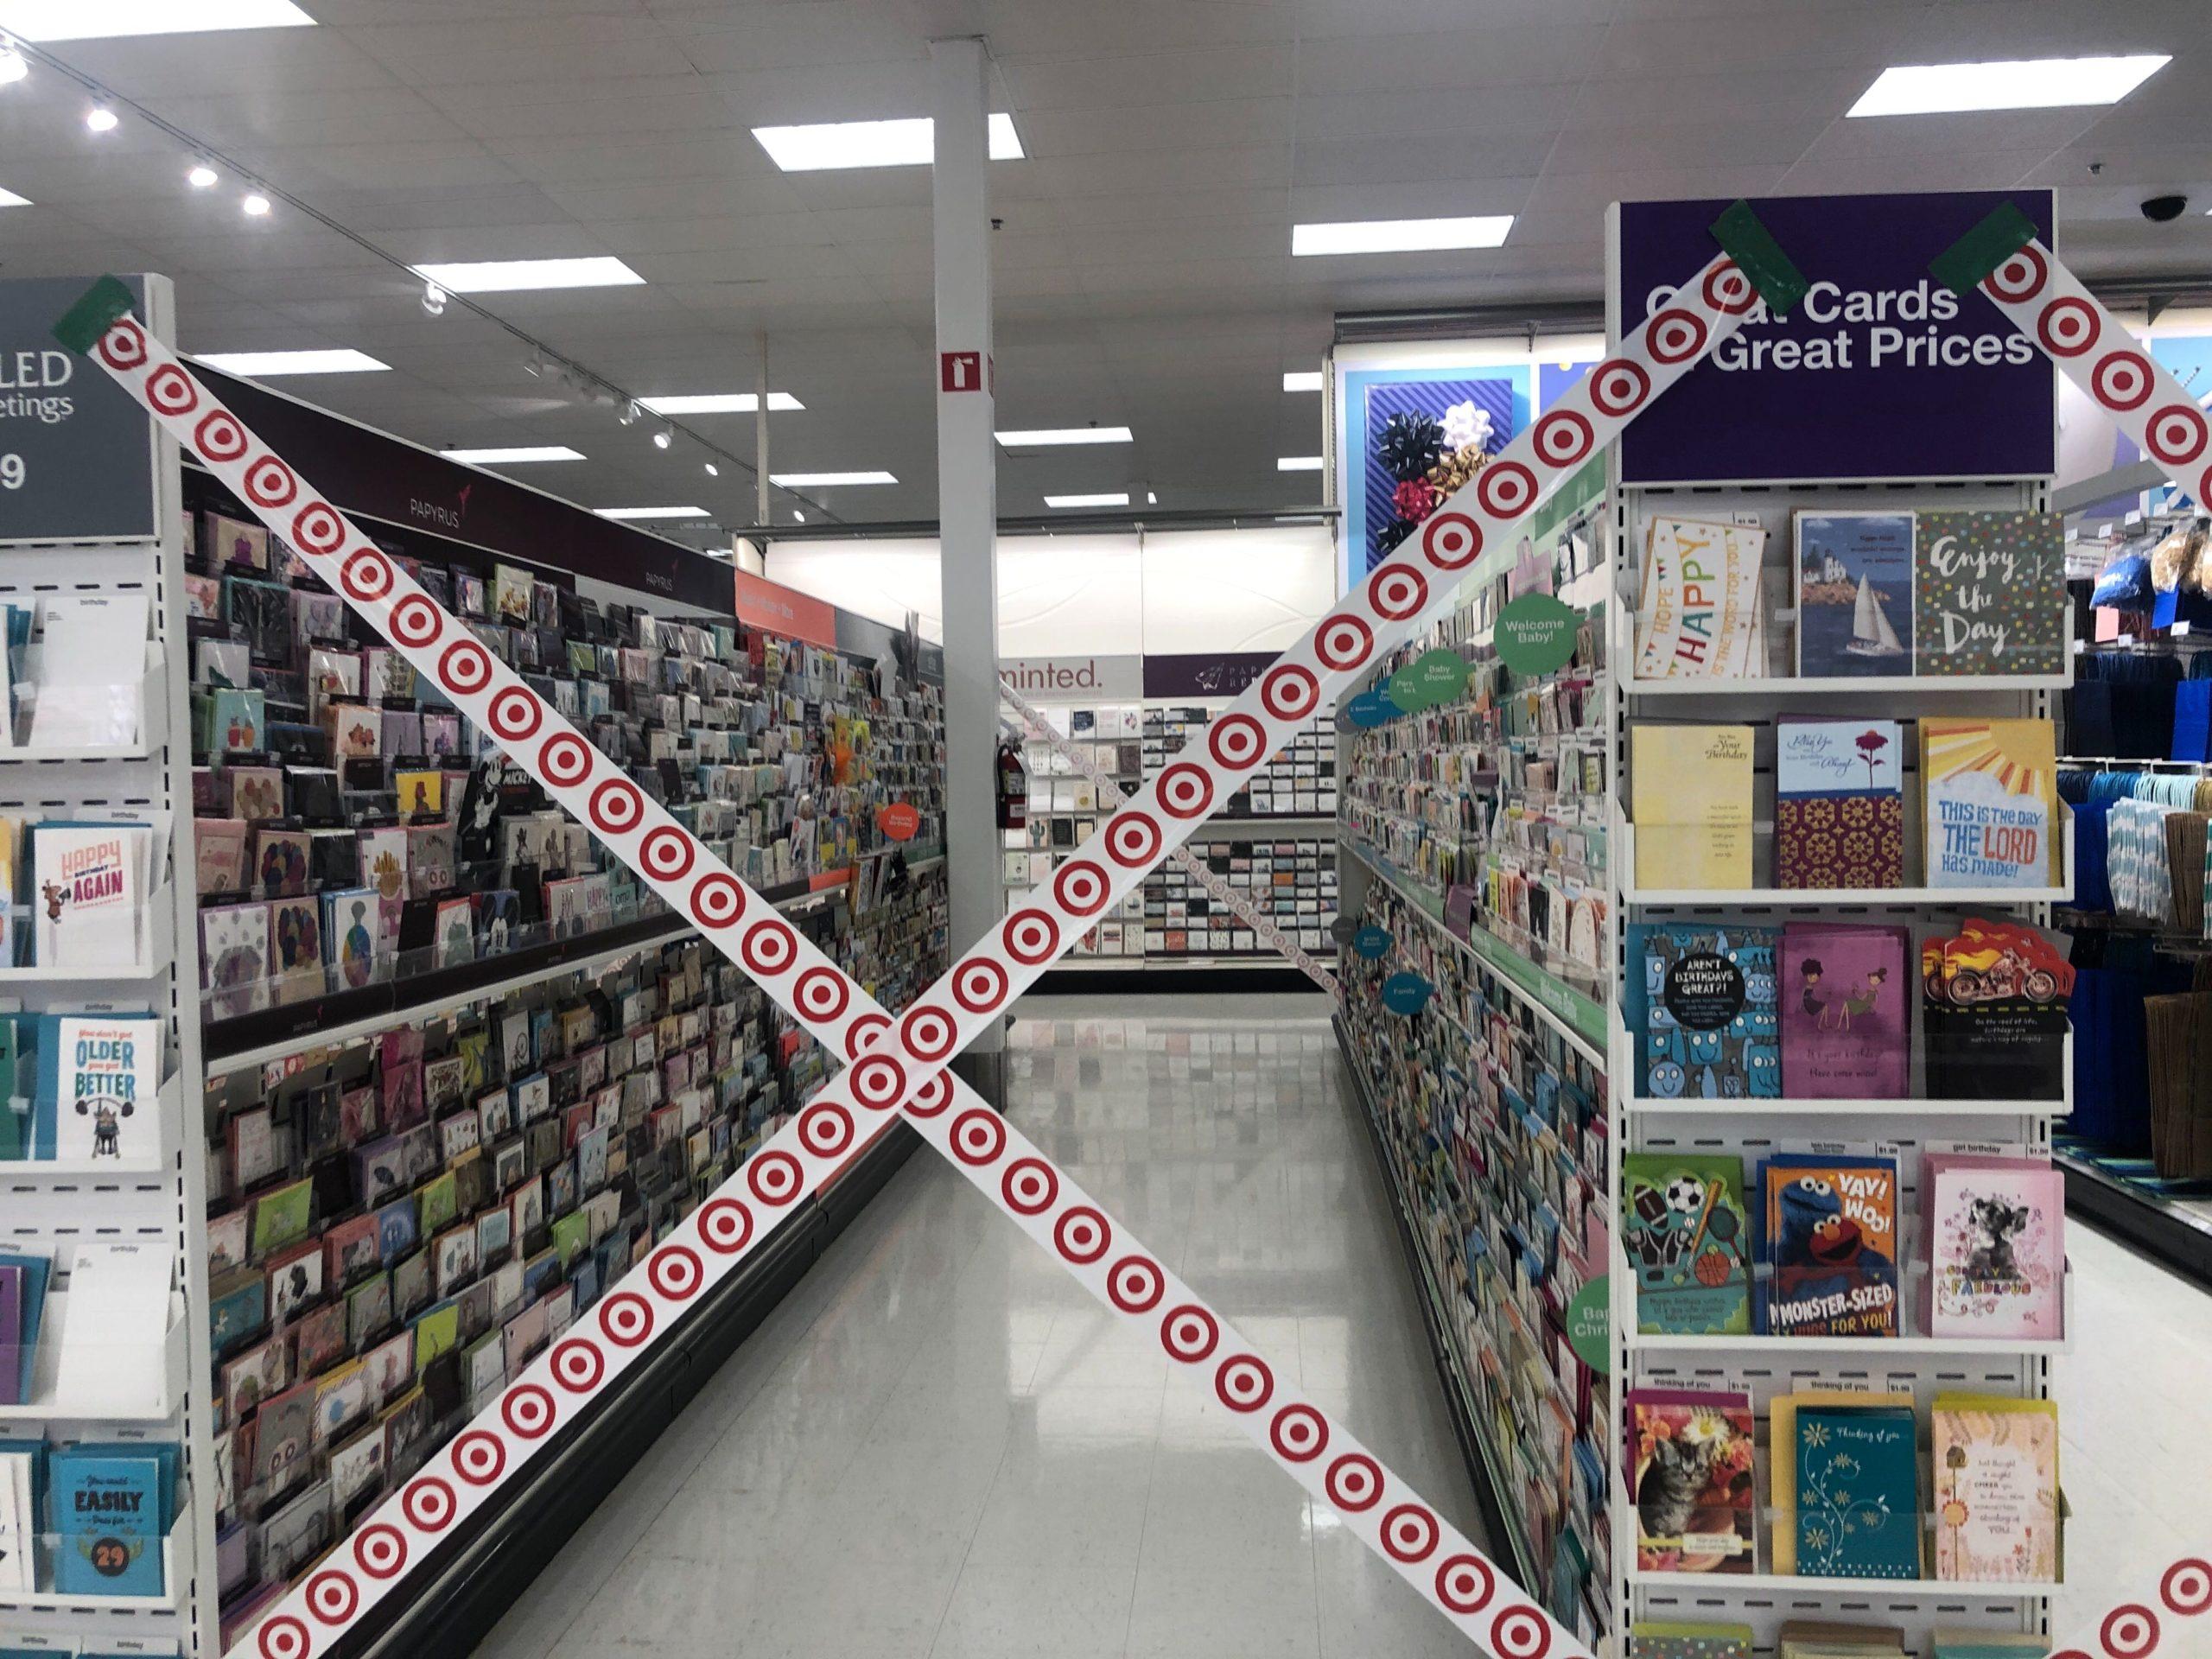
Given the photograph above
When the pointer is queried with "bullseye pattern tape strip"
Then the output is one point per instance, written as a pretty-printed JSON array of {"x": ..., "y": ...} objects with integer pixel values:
[
  {"x": 1111, "y": 794},
  {"x": 709, "y": 1244},
  {"x": 901, "y": 1064},
  {"x": 2048, "y": 304},
  {"x": 1389, "y": 607}
]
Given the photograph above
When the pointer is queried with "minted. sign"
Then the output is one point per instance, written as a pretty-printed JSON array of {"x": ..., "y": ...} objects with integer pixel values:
[
  {"x": 1536, "y": 633},
  {"x": 898, "y": 821},
  {"x": 1433, "y": 677},
  {"x": 76, "y": 450},
  {"x": 1405, "y": 994},
  {"x": 1372, "y": 942}
]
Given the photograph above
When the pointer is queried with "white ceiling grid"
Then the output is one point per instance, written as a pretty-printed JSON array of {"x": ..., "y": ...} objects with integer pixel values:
[{"x": 1143, "y": 275}]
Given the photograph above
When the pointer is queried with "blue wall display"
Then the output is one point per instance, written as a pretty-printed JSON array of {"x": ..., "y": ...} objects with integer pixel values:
[
  {"x": 1371, "y": 708},
  {"x": 1490, "y": 405},
  {"x": 1879, "y": 372}
]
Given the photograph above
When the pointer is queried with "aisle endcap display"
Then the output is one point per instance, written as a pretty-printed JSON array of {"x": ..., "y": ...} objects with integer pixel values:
[
  {"x": 1946, "y": 1048},
  {"x": 1464, "y": 1585}
]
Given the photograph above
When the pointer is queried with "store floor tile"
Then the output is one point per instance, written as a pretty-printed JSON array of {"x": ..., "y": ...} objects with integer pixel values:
[{"x": 945, "y": 1450}]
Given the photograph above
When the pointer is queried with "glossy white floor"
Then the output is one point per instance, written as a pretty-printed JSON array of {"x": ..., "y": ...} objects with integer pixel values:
[{"x": 938, "y": 1447}]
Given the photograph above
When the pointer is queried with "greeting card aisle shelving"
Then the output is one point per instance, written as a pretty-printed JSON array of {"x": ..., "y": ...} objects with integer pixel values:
[
  {"x": 1488, "y": 1106},
  {"x": 156, "y": 1200},
  {"x": 1750, "y": 1128},
  {"x": 1282, "y": 826}
]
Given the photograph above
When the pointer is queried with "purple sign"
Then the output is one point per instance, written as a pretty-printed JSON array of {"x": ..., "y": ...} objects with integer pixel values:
[
  {"x": 1210, "y": 674},
  {"x": 1879, "y": 372}
]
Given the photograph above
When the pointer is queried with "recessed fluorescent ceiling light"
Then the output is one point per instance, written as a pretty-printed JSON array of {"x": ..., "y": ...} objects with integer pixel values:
[
  {"x": 1400, "y": 235},
  {"x": 719, "y": 403},
  {"x": 1105, "y": 499},
  {"x": 509, "y": 457},
  {"x": 88, "y": 20},
  {"x": 1301, "y": 380},
  {"x": 651, "y": 513},
  {"x": 2024, "y": 84},
  {"x": 1298, "y": 463},
  {"x": 260, "y": 365},
  {"x": 1067, "y": 434},
  {"x": 515, "y": 275},
  {"x": 911, "y": 142},
  {"x": 9, "y": 199},
  {"x": 826, "y": 480}
]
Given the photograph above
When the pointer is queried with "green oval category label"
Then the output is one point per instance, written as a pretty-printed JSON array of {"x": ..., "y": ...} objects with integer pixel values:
[
  {"x": 1431, "y": 678},
  {"x": 1590, "y": 1326},
  {"x": 1535, "y": 634}
]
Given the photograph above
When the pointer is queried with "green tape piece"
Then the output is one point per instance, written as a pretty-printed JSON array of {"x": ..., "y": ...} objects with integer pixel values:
[
  {"x": 1963, "y": 265},
  {"x": 93, "y": 315},
  {"x": 1760, "y": 257}
]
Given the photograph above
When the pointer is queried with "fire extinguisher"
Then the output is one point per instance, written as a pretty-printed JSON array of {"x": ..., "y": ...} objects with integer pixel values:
[{"x": 1014, "y": 787}]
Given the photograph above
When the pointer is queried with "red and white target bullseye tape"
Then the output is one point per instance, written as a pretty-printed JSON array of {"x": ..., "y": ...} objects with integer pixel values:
[
  {"x": 1135, "y": 1285},
  {"x": 1464, "y": 1584},
  {"x": 333, "y": 1596},
  {"x": 1190, "y": 1333},
  {"x": 676, "y": 1271},
  {"x": 380, "y": 1550},
  {"x": 827, "y": 1130},
  {"x": 2129, "y": 1632},
  {"x": 726, "y": 1225},
  {"x": 1299, "y": 1433},
  {"x": 1082, "y": 1234},
  {"x": 579, "y": 1365},
  {"x": 280, "y": 1636},
  {"x": 626, "y": 1318},
  {"x": 427, "y": 1502},
  {"x": 1029, "y": 1186},
  {"x": 2050, "y": 305},
  {"x": 2186, "y": 1588},
  {"x": 1243, "y": 1383},
  {"x": 978, "y": 1137},
  {"x": 821, "y": 994},
  {"x": 479, "y": 1456},
  {"x": 1410, "y": 1533},
  {"x": 528, "y": 1410},
  {"x": 1135, "y": 840},
  {"x": 1354, "y": 1482}
]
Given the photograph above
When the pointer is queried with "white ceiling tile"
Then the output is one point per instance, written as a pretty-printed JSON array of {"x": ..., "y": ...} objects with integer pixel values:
[
  {"x": 1140, "y": 80},
  {"x": 1214, "y": 124}
]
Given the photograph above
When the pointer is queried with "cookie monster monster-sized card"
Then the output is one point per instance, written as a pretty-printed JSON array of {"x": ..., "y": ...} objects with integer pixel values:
[{"x": 1831, "y": 1242}]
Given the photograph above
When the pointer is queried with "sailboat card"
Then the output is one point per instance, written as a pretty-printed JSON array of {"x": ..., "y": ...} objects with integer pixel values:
[
  {"x": 1989, "y": 594},
  {"x": 1992, "y": 803},
  {"x": 1839, "y": 807},
  {"x": 1854, "y": 595}
]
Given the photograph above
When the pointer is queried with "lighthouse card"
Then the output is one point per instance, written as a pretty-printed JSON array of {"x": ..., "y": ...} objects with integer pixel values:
[
  {"x": 1989, "y": 593},
  {"x": 1854, "y": 595}
]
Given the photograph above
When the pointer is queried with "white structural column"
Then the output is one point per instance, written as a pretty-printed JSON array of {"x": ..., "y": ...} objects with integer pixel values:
[{"x": 967, "y": 493}]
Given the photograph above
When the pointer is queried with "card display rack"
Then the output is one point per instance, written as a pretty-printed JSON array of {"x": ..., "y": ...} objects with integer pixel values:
[
  {"x": 1503, "y": 1109},
  {"x": 149, "y": 1393},
  {"x": 1273, "y": 841},
  {"x": 1764, "y": 1367}
]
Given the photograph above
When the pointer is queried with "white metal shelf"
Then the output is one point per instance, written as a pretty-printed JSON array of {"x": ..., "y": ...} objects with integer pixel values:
[
  {"x": 170, "y": 1374},
  {"x": 1785, "y": 1585},
  {"x": 1624, "y": 842}
]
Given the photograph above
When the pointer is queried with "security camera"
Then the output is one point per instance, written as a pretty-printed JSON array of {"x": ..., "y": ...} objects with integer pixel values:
[{"x": 2159, "y": 210}]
